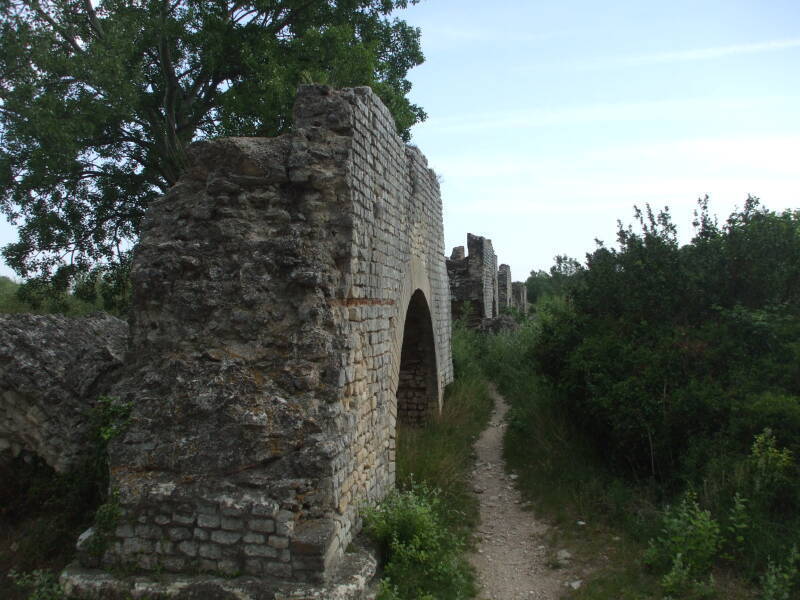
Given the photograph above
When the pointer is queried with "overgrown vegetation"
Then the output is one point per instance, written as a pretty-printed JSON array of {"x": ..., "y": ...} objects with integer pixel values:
[
  {"x": 39, "y": 584},
  {"x": 42, "y": 512},
  {"x": 423, "y": 557},
  {"x": 424, "y": 528},
  {"x": 41, "y": 298},
  {"x": 660, "y": 392}
]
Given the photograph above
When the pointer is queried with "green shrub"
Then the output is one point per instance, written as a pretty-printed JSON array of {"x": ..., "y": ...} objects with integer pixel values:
[
  {"x": 421, "y": 557},
  {"x": 736, "y": 529},
  {"x": 680, "y": 582},
  {"x": 103, "y": 290},
  {"x": 772, "y": 468},
  {"x": 779, "y": 579},
  {"x": 43, "y": 585},
  {"x": 688, "y": 531}
]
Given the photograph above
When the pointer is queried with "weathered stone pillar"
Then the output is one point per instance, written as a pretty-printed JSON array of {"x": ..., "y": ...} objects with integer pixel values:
[
  {"x": 473, "y": 280},
  {"x": 271, "y": 290},
  {"x": 504, "y": 287},
  {"x": 520, "y": 297}
]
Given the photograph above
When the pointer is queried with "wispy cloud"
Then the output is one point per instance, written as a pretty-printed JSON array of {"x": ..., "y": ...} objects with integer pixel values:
[
  {"x": 677, "y": 56},
  {"x": 590, "y": 113},
  {"x": 708, "y": 53},
  {"x": 600, "y": 63},
  {"x": 609, "y": 179},
  {"x": 766, "y": 157},
  {"x": 455, "y": 35}
]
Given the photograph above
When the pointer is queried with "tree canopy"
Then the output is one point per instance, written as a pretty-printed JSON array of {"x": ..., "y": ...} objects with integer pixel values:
[
  {"x": 662, "y": 347},
  {"x": 99, "y": 100}
]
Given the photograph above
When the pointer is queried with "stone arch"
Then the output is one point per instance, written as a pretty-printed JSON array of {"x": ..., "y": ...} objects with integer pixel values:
[
  {"x": 417, "y": 387},
  {"x": 52, "y": 370}
]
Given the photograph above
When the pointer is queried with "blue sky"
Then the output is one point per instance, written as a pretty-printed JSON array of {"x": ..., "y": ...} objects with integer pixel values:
[{"x": 548, "y": 121}]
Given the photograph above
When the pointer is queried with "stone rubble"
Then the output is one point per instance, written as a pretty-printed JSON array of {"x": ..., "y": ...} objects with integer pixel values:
[
  {"x": 473, "y": 280},
  {"x": 519, "y": 297},
  {"x": 504, "y": 294}
]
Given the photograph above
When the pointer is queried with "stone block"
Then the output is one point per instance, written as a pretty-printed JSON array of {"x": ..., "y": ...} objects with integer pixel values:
[
  {"x": 188, "y": 548},
  {"x": 225, "y": 537},
  {"x": 261, "y": 525},
  {"x": 210, "y": 521},
  {"x": 210, "y": 551},
  {"x": 177, "y": 534}
]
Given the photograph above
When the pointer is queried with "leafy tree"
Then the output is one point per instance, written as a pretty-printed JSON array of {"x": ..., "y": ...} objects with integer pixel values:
[
  {"x": 664, "y": 347},
  {"x": 99, "y": 100},
  {"x": 538, "y": 285},
  {"x": 556, "y": 282}
]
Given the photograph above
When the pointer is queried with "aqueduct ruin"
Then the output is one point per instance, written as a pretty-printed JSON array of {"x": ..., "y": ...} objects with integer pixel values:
[
  {"x": 473, "y": 280},
  {"x": 290, "y": 304}
]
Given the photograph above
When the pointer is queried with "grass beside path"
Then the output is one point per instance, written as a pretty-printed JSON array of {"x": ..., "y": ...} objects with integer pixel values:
[
  {"x": 424, "y": 529},
  {"x": 605, "y": 523},
  {"x": 439, "y": 454}
]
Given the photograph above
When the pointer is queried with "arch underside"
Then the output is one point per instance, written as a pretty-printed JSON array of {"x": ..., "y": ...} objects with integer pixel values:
[{"x": 417, "y": 388}]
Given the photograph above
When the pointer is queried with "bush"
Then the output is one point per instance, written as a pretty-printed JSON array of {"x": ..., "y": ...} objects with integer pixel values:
[
  {"x": 690, "y": 533},
  {"x": 43, "y": 585},
  {"x": 421, "y": 557},
  {"x": 772, "y": 468},
  {"x": 680, "y": 582},
  {"x": 679, "y": 367},
  {"x": 779, "y": 579}
]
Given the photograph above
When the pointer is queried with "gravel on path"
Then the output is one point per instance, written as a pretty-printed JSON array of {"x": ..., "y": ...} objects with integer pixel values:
[{"x": 511, "y": 557}]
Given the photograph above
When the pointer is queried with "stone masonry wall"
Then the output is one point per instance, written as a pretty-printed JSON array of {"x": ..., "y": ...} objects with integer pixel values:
[
  {"x": 504, "y": 287},
  {"x": 473, "y": 279},
  {"x": 272, "y": 286},
  {"x": 52, "y": 370},
  {"x": 520, "y": 297}
]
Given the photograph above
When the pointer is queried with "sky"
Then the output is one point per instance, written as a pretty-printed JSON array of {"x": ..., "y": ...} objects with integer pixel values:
[{"x": 548, "y": 121}]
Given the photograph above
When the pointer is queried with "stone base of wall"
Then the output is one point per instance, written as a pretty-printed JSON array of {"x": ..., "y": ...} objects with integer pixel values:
[{"x": 354, "y": 579}]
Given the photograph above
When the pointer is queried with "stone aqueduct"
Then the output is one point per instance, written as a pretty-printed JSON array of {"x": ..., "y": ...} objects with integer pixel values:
[{"x": 290, "y": 304}]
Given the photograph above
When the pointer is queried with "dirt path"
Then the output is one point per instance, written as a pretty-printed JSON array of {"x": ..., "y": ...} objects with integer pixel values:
[{"x": 512, "y": 555}]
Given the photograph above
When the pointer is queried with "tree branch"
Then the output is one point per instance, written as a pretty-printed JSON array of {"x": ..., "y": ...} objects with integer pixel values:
[
  {"x": 93, "y": 21},
  {"x": 67, "y": 38}
]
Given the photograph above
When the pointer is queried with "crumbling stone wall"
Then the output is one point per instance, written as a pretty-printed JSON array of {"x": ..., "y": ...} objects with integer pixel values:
[
  {"x": 52, "y": 370},
  {"x": 504, "y": 287},
  {"x": 473, "y": 279},
  {"x": 519, "y": 298},
  {"x": 275, "y": 288}
]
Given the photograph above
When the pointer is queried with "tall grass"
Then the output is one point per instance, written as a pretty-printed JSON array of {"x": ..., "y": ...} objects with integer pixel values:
[
  {"x": 541, "y": 443},
  {"x": 439, "y": 453}
]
